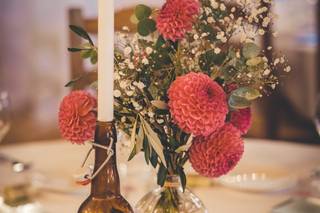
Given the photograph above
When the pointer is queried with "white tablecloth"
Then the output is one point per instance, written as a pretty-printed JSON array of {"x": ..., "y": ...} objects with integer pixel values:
[{"x": 60, "y": 160}]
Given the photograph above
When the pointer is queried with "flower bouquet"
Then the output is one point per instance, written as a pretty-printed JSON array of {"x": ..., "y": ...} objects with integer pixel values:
[{"x": 184, "y": 83}]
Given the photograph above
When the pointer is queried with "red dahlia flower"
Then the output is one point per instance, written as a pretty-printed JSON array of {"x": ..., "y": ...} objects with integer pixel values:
[
  {"x": 197, "y": 104},
  {"x": 176, "y": 18},
  {"x": 218, "y": 153},
  {"x": 77, "y": 117},
  {"x": 241, "y": 119}
]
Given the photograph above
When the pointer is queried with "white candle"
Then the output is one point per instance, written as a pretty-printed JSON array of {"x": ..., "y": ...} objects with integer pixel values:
[{"x": 105, "y": 60}]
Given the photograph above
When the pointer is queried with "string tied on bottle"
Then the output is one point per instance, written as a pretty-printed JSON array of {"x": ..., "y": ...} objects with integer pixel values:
[{"x": 86, "y": 178}]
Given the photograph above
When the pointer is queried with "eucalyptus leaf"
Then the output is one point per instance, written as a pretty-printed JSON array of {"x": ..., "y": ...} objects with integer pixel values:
[
  {"x": 236, "y": 102},
  {"x": 254, "y": 61},
  {"x": 146, "y": 27},
  {"x": 142, "y": 11},
  {"x": 81, "y": 32},
  {"x": 247, "y": 93},
  {"x": 250, "y": 50}
]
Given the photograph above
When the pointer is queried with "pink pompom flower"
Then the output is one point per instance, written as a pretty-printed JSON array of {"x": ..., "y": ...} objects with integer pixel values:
[
  {"x": 218, "y": 153},
  {"x": 77, "y": 117},
  {"x": 176, "y": 18},
  {"x": 197, "y": 104},
  {"x": 241, "y": 119}
]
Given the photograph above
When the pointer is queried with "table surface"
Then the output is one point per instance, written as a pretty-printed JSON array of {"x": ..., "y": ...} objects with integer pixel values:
[{"x": 59, "y": 160}]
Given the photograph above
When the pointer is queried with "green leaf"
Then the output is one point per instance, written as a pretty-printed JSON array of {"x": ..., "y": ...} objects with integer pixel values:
[
  {"x": 142, "y": 12},
  {"x": 139, "y": 140},
  {"x": 154, "y": 159},
  {"x": 210, "y": 59},
  {"x": 160, "y": 42},
  {"x": 247, "y": 93},
  {"x": 134, "y": 131},
  {"x": 72, "y": 82},
  {"x": 86, "y": 53},
  {"x": 72, "y": 49},
  {"x": 160, "y": 104},
  {"x": 185, "y": 147},
  {"x": 94, "y": 85},
  {"x": 183, "y": 178},
  {"x": 94, "y": 57},
  {"x": 81, "y": 32},
  {"x": 146, "y": 26},
  {"x": 250, "y": 50},
  {"x": 113, "y": 210},
  {"x": 153, "y": 140},
  {"x": 83, "y": 80},
  {"x": 133, "y": 153},
  {"x": 146, "y": 149},
  {"x": 236, "y": 102},
  {"x": 162, "y": 175},
  {"x": 254, "y": 61}
]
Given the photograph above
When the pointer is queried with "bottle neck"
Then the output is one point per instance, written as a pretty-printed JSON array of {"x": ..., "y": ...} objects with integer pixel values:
[
  {"x": 172, "y": 181},
  {"x": 107, "y": 181}
]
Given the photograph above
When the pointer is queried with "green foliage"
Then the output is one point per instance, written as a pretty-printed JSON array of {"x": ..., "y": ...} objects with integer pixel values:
[
  {"x": 247, "y": 93},
  {"x": 182, "y": 176},
  {"x": 154, "y": 158},
  {"x": 250, "y": 50},
  {"x": 81, "y": 32},
  {"x": 71, "y": 49},
  {"x": 113, "y": 210},
  {"x": 93, "y": 57},
  {"x": 162, "y": 175},
  {"x": 142, "y": 12},
  {"x": 209, "y": 59},
  {"x": 146, "y": 27},
  {"x": 84, "y": 80},
  {"x": 149, "y": 65},
  {"x": 238, "y": 103},
  {"x": 242, "y": 97}
]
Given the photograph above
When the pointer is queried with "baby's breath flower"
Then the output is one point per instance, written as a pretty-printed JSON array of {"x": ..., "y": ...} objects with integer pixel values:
[
  {"x": 129, "y": 93},
  {"x": 217, "y": 50},
  {"x": 117, "y": 93},
  {"x": 287, "y": 69},
  {"x": 127, "y": 51},
  {"x": 222, "y": 7},
  {"x": 145, "y": 61},
  {"x": 210, "y": 20},
  {"x": 267, "y": 72},
  {"x": 149, "y": 50},
  {"x": 131, "y": 66}
]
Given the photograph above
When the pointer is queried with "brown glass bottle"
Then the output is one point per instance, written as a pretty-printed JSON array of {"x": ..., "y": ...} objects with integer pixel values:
[{"x": 105, "y": 196}]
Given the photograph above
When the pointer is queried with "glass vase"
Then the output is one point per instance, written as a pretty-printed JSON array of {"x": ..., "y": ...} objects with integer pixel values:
[{"x": 170, "y": 199}]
